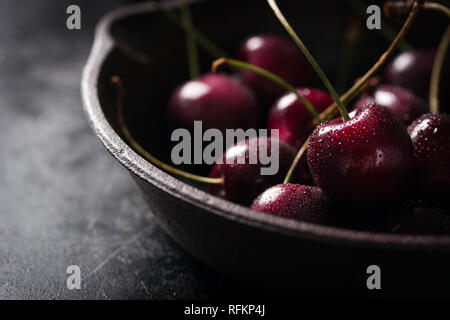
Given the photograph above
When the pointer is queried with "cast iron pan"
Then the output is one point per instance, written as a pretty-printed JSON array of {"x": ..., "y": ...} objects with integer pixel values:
[{"x": 276, "y": 255}]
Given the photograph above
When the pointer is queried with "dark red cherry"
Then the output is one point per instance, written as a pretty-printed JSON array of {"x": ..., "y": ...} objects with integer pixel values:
[
  {"x": 430, "y": 135},
  {"x": 218, "y": 100},
  {"x": 291, "y": 117},
  {"x": 363, "y": 100},
  {"x": 403, "y": 102},
  {"x": 244, "y": 182},
  {"x": 277, "y": 55},
  {"x": 292, "y": 120},
  {"x": 412, "y": 70},
  {"x": 367, "y": 159},
  {"x": 414, "y": 217},
  {"x": 294, "y": 201}
]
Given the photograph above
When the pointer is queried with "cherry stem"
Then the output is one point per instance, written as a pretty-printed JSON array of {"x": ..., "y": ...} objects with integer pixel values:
[
  {"x": 298, "y": 156},
  {"x": 397, "y": 7},
  {"x": 269, "y": 75},
  {"x": 436, "y": 6},
  {"x": 331, "y": 111},
  {"x": 359, "y": 85},
  {"x": 129, "y": 137},
  {"x": 191, "y": 46},
  {"x": 436, "y": 71},
  {"x": 200, "y": 37},
  {"x": 386, "y": 31},
  {"x": 312, "y": 61}
]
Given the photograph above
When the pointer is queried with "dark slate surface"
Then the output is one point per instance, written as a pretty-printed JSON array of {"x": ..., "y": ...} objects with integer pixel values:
[{"x": 63, "y": 199}]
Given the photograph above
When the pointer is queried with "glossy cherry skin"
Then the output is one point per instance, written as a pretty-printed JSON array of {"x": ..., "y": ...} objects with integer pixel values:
[
  {"x": 367, "y": 159},
  {"x": 244, "y": 182},
  {"x": 402, "y": 102},
  {"x": 278, "y": 55},
  {"x": 294, "y": 201},
  {"x": 291, "y": 117},
  {"x": 412, "y": 70},
  {"x": 218, "y": 100},
  {"x": 430, "y": 135}
]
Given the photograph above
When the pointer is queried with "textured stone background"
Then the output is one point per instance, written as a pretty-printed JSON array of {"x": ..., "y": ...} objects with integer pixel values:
[{"x": 63, "y": 199}]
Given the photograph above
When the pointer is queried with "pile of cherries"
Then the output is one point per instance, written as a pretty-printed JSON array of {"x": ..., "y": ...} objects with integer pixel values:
[{"x": 385, "y": 169}]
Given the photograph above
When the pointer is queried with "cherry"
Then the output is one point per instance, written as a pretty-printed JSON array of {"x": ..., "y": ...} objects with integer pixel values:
[
  {"x": 277, "y": 55},
  {"x": 366, "y": 159},
  {"x": 291, "y": 117},
  {"x": 364, "y": 100},
  {"x": 415, "y": 217},
  {"x": 218, "y": 100},
  {"x": 294, "y": 201},
  {"x": 430, "y": 135},
  {"x": 244, "y": 182},
  {"x": 412, "y": 70},
  {"x": 402, "y": 102}
]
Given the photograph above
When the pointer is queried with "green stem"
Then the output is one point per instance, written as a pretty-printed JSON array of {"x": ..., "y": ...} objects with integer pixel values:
[
  {"x": 139, "y": 149},
  {"x": 358, "y": 86},
  {"x": 201, "y": 38},
  {"x": 269, "y": 75},
  {"x": 311, "y": 59},
  {"x": 436, "y": 71},
  {"x": 296, "y": 161},
  {"x": 332, "y": 110},
  {"x": 186, "y": 20},
  {"x": 437, "y": 6}
]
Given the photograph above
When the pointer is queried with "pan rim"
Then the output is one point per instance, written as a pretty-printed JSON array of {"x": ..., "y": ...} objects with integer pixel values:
[{"x": 102, "y": 47}]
